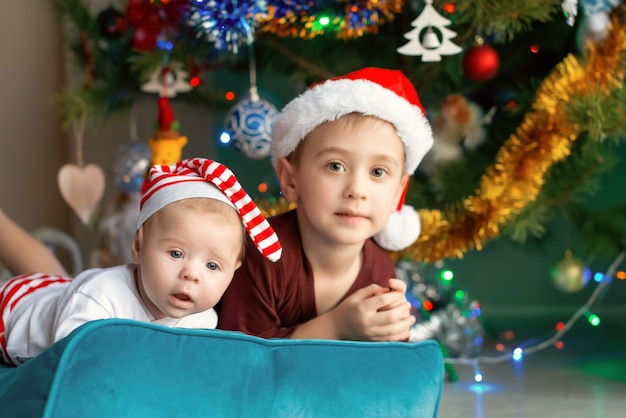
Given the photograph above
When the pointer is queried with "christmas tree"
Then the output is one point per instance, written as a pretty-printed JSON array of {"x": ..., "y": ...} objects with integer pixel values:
[
  {"x": 535, "y": 51},
  {"x": 540, "y": 85}
]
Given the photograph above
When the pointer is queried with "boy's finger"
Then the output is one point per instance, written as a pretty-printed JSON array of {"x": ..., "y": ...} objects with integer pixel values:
[{"x": 398, "y": 285}]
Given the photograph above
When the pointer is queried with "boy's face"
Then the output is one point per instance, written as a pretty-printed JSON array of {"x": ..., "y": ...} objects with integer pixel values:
[
  {"x": 346, "y": 180},
  {"x": 186, "y": 259}
]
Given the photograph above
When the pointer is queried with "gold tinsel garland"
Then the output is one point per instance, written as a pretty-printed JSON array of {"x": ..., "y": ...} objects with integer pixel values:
[
  {"x": 350, "y": 21},
  {"x": 544, "y": 138}
]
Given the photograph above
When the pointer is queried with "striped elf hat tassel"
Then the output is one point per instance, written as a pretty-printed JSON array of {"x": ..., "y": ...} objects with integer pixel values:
[{"x": 200, "y": 177}]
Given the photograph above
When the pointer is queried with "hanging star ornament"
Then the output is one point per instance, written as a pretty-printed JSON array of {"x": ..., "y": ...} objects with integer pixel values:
[{"x": 429, "y": 46}]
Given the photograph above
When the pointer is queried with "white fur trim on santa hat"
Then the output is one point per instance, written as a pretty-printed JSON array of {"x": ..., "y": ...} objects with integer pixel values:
[
  {"x": 335, "y": 98},
  {"x": 178, "y": 188},
  {"x": 401, "y": 230}
]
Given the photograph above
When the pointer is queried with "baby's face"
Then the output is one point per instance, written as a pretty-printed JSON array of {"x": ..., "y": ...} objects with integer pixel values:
[
  {"x": 349, "y": 178},
  {"x": 187, "y": 258}
]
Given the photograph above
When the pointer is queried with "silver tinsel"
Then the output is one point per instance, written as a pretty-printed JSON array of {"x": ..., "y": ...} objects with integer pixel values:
[
  {"x": 452, "y": 318},
  {"x": 131, "y": 165}
]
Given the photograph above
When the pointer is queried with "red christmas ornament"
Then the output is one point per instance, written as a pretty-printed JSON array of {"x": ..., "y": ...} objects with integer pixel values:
[
  {"x": 145, "y": 39},
  {"x": 150, "y": 19},
  {"x": 480, "y": 63}
]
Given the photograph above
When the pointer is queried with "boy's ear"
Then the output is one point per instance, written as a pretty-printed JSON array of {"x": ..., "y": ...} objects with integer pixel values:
[
  {"x": 137, "y": 241},
  {"x": 285, "y": 171}
]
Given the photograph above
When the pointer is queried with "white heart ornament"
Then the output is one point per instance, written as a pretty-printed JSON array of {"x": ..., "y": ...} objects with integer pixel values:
[{"x": 82, "y": 188}]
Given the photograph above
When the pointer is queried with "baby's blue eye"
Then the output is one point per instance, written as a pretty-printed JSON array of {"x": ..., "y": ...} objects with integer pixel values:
[
  {"x": 212, "y": 266},
  {"x": 176, "y": 254}
]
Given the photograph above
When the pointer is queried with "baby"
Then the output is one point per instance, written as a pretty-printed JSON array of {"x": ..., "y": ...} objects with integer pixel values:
[{"x": 189, "y": 242}]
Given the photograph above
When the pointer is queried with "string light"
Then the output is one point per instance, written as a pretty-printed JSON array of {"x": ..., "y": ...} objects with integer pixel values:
[
  {"x": 511, "y": 105},
  {"x": 478, "y": 376},
  {"x": 518, "y": 353},
  {"x": 224, "y": 137},
  {"x": 592, "y": 318},
  {"x": 449, "y": 8},
  {"x": 164, "y": 45}
]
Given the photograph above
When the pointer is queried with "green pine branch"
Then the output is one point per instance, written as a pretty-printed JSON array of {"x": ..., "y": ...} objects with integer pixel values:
[
  {"x": 502, "y": 20},
  {"x": 602, "y": 232},
  {"x": 114, "y": 73},
  {"x": 569, "y": 182}
]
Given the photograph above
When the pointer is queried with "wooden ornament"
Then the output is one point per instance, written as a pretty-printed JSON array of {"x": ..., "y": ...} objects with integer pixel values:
[
  {"x": 423, "y": 39},
  {"x": 82, "y": 188}
]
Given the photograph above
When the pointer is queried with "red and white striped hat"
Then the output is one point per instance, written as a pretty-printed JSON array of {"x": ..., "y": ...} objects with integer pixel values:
[{"x": 200, "y": 177}]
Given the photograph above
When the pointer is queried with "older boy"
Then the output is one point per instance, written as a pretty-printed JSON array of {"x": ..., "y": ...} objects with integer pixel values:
[{"x": 343, "y": 151}]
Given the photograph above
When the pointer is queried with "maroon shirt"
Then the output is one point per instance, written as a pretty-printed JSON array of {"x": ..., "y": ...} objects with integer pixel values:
[{"x": 269, "y": 299}]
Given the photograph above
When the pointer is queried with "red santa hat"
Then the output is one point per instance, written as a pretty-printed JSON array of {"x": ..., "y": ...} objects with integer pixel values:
[
  {"x": 199, "y": 177},
  {"x": 384, "y": 93}
]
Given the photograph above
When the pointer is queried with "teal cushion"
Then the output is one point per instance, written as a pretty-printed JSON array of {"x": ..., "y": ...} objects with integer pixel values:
[{"x": 122, "y": 368}]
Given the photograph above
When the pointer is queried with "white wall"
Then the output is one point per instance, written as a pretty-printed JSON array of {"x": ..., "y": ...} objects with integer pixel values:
[{"x": 33, "y": 146}]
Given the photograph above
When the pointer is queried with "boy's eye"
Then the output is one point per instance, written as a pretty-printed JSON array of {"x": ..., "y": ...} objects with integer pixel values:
[
  {"x": 176, "y": 254},
  {"x": 212, "y": 265},
  {"x": 335, "y": 166},
  {"x": 378, "y": 172}
]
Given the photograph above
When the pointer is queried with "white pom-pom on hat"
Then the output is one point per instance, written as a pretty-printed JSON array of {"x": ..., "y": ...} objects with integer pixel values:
[
  {"x": 401, "y": 230},
  {"x": 384, "y": 93}
]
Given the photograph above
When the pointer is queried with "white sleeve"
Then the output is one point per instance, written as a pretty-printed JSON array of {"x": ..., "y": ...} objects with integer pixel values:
[{"x": 79, "y": 309}]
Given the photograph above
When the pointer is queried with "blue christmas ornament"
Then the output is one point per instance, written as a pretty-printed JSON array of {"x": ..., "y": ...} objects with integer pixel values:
[
  {"x": 249, "y": 124},
  {"x": 131, "y": 165},
  {"x": 227, "y": 24}
]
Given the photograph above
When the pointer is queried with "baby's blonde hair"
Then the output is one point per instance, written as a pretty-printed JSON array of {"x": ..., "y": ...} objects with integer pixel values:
[{"x": 206, "y": 205}]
